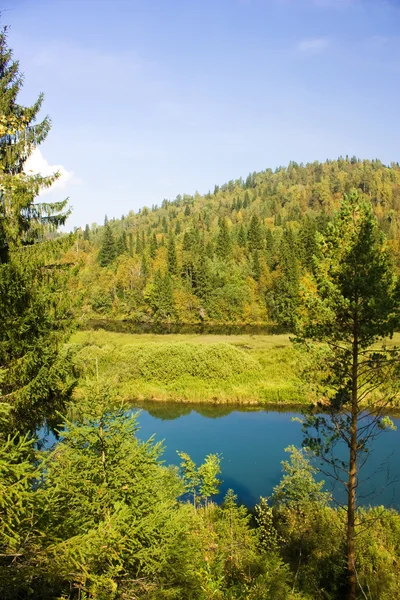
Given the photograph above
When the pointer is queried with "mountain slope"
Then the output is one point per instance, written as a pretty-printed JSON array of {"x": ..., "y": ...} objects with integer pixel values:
[{"x": 235, "y": 255}]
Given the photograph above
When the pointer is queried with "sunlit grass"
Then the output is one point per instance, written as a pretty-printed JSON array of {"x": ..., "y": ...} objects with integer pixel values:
[{"x": 246, "y": 369}]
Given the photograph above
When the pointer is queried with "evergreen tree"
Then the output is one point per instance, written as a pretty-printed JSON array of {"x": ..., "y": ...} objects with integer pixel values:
[
  {"x": 19, "y": 541},
  {"x": 35, "y": 310},
  {"x": 242, "y": 237},
  {"x": 108, "y": 249},
  {"x": 144, "y": 268},
  {"x": 161, "y": 297},
  {"x": 224, "y": 243},
  {"x": 22, "y": 220},
  {"x": 153, "y": 246},
  {"x": 187, "y": 242},
  {"x": 350, "y": 304},
  {"x": 308, "y": 242},
  {"x": 113, "y": 525},
  {"x": 255, "y": 234},
  {"x": 122, "y": 245},
  {"x": 256, "y": 265},
  {"x": 138, "y": 244},
  {"x": 209, "y": 250},
  {"x": 284, "y": 299},
  {"x": 172, "y": 259},
  {"x": 130, "y": 243}
]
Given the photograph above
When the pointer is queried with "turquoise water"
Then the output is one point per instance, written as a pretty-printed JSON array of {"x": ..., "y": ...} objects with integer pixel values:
[{"x": 252, "y": 444}]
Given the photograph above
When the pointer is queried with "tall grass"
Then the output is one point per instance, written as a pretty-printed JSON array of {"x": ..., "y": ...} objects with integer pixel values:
[{"x": 187, "y": 368}]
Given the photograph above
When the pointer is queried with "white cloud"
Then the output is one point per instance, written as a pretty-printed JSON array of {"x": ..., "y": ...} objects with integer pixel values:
[
  {"x": 38, "y": 164},
  {"x": 313, "y": 45}
]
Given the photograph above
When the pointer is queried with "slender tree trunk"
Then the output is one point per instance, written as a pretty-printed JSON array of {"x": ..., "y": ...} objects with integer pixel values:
[{"x": 352, "y": 483}]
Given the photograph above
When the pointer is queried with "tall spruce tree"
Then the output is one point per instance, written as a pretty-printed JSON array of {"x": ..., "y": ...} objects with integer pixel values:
[
  {"x": 172, "y": 258},
  {"x": 283, "y": 301},
  {"x": 22, "y": 219},
  {"x": 224, "y": 242},
  {"x": 255, "y": 234},
  {"x": 108, "y": 249},
  {"x": 34, "y": 308},
  {"x": 241, "y": 238}
]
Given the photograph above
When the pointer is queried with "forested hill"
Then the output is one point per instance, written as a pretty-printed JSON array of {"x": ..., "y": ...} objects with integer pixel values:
[{"x": 235, "y": 255}]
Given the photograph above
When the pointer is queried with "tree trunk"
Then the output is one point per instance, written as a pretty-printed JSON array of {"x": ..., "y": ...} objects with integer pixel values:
[{"x": 352, "y": 483}]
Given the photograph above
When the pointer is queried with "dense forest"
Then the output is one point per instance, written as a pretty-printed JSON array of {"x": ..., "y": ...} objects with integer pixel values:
[
  {"x": 236, "y": 255},
  {"x": 98, "y": 514}
]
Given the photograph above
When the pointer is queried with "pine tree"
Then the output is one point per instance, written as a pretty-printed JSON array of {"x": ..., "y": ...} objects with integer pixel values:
[
  {"x": 138, "y": 245},
  {"x": 122, "y": 245},
  {"x": 35, "y": 310},
  {"x": 242, "y": 237},
  {"x": 255, "y": 234},
  {"x": 22, "y": 220},
  {"x": 153, "y": 246},
  {"x": 172, "y": 259},
  {"x": 224, "y": 243},
  {"x": 256, "y": 265},
  {"x": 284, "y": 299},
  {"x": 350, "y": 305},
  {"x": 130, "y": 243},
  {"x": 144, "y": 268},
  {"x": 108, "y": 249},
  {"x": 308, "y": 242},
  {"x": 86, "y": 233},
  {"x": 160, "y": 296},
  {"x": 110, "y": 502}
]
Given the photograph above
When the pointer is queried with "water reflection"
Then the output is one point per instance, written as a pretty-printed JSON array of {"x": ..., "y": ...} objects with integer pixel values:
[
  {"x": 127, "y": 326},
  {"x": 174, "y": 410}
]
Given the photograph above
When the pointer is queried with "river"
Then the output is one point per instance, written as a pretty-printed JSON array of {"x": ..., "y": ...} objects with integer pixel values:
[{"x": 252, "y": 444}]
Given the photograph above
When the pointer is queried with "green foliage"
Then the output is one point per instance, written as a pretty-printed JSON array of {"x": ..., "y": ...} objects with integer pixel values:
[
  {"x": 255, "y": 244},
  {"x": 17, "y": 500},
  {"x": 113, "y": 525},
  {"x": 207, "y": 369},
  {"x": 159, "y": 294},
  {"x": 34, "y": 323},
  {"x": 202, "y": 482},
  {"x": 255, "y": 234},
  {"x": 298, "y": 486},
  {"x": 35, "y": 310},
  {"x": 172, "y": 259},
  {"x": 351, "y": 303},
  {"x": 108, "y": 250},
  {"x": 224, "y": 243},
  {"x": 22, "y": 221}
]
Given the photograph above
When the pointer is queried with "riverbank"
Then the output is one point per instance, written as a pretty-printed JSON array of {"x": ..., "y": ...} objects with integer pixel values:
[
  {"x": 211, "y": 369},
  {"x": 259, "y": 370}
]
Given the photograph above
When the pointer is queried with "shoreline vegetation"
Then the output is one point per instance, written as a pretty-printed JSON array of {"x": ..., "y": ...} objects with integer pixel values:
[{"x": 210, "y": 369}]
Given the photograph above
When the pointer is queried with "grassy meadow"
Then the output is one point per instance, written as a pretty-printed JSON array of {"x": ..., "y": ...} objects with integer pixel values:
[
  {"x": 241, "y": 369},
  {"x": 193, "y": 368}
]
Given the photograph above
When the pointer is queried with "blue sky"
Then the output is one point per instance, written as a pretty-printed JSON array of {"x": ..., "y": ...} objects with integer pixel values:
[{"x": 153, "y": 98}]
